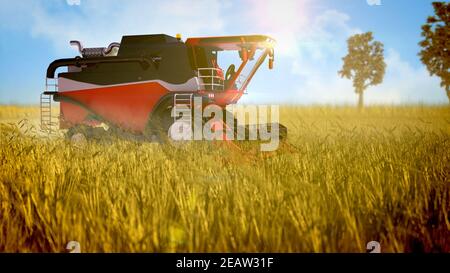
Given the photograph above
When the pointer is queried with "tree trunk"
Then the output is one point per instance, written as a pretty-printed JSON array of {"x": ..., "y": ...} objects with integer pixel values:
[
  {"x": 361, "y": 100},
  {"x": 448, "y": 95}
]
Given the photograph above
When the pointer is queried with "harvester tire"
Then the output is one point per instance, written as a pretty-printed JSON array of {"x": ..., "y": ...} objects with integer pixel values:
[{"x": 159, "y": 123}]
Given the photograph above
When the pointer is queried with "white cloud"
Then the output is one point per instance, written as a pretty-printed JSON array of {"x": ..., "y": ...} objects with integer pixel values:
[
  {"x": 404, "y": 83},
  {"x": 374, "y": 2},
  {"x": 321, "y": 48},
  {"x": 308, "y": 54},
  {"x": 284, "y": 20},
  {"x": 96, "y": 23},
  {"x": 315, "y": 58},
  {"x": 310, "y": 48},
  {"x": 73, "y": 2}
]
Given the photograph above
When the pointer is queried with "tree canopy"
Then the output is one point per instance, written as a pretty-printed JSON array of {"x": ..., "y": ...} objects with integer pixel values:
[
  {"x": 435, "y": 53},
  {"x": 364, "y": 63}
]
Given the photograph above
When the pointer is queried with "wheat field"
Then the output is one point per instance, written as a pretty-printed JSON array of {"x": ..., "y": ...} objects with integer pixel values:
[{"x": 341, "y": 179}]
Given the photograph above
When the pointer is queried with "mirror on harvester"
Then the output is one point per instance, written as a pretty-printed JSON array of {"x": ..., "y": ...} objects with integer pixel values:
[
  {"x": 243, "y": 53},
  {"x": 271, "y": 59}
]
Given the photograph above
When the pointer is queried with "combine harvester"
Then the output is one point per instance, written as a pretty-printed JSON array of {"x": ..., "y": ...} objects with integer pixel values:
[{"x": 134, "y": 86}]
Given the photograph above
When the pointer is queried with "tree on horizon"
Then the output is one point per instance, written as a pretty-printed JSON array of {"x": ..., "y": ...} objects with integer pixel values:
[{"x": 364, "y": 63}]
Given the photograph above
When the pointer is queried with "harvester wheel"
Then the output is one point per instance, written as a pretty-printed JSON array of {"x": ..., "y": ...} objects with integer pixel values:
[
  {"x": 77, "y": 129},
  {"x": 159, "y": 123}
]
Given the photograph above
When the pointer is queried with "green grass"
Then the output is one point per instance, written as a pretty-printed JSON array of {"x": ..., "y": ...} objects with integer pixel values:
[{"x": 342, "y": 179}]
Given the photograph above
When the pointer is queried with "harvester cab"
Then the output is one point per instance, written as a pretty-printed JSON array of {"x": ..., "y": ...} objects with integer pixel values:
[
  {"x": 228, "y": 86},
  {"x": 134, "y": 85}
]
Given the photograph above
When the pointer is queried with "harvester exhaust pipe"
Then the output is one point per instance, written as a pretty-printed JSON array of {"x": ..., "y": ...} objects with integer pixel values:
[
  {"x": 94, "y": 51},
  {"x": 110, "y": 48},
  {"x": 78, "y": 45}
]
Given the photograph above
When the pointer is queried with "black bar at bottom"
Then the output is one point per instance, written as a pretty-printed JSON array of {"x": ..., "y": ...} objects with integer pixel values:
[{"x": 231, "y": 262}]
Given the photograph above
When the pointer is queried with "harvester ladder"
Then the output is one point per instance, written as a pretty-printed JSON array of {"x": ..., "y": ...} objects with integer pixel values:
[
  {"x": 47, "y": 119},
  {"x": 182, "y": 104}
]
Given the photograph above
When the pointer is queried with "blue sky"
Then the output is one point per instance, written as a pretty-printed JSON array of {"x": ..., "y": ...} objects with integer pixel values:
[{"x": 311, "y": 37}]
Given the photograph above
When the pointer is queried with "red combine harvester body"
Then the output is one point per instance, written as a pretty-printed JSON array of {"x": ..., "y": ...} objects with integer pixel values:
[{"x": 135, "y": 89}]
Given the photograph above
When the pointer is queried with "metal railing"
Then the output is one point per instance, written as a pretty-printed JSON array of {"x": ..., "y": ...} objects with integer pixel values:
[{"x": 211, "y": 79}]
